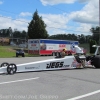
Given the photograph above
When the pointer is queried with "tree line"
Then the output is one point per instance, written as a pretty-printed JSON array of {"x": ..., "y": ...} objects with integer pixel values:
[
  {"x": 24, "y": 35},
  {"x": 13, "y": 33}
]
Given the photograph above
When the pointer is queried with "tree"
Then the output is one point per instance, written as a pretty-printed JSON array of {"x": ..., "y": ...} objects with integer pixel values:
[
  {"x": 91, "y": 43},
  {"x": 95, "y": 33},
  {"x": 23, "y": 34},
  {"x": 88, "y": 37},
  {"x": 82, "y": 39},
  {"x": 37, "y": 27},
  {"x": 16, "y": 34}
]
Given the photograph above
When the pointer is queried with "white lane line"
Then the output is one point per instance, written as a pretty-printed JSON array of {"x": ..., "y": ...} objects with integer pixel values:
[
  {"x": 19, "y": 80},
  {"x": 85, "y": 95}
]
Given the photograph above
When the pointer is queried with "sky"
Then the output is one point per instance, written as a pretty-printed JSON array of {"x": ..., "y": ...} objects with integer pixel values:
[{"x": 60, "y": 16}]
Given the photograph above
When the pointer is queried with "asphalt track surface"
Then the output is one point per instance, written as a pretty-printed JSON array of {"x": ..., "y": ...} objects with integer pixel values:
[{"x": 78, "y": 84}]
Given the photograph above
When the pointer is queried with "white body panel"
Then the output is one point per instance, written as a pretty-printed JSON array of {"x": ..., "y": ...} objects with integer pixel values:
[
  {"x": 42, "y": 65},
  {"x": 69, "y": 62},
  {"x": 78, "y": 50}
]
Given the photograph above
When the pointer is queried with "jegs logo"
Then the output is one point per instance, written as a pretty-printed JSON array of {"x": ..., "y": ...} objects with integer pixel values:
[{"x": 56, "y": 65}]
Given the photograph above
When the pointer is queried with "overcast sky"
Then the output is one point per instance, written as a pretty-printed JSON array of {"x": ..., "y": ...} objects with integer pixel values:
[{"x": 60, "y": 16}]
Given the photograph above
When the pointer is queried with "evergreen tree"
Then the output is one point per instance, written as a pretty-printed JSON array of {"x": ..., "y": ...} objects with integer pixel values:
[{"x": 36, "y": 28}]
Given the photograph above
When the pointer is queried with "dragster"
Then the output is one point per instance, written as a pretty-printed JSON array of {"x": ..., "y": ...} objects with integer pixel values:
[
  {"x": 79, "y": 60},
  {"x": 68, "y": 62}
]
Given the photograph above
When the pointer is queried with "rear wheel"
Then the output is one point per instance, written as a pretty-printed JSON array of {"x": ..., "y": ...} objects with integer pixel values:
[{"x": 96, "y": 61}]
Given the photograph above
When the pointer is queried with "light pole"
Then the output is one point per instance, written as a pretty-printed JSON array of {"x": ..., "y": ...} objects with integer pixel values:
[
  {"x": 99, "y": 22},
  {"x": 11, "y": 34}
]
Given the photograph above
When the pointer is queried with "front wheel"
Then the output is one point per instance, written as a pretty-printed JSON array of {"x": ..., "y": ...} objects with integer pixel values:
[
  {"x": 11, "y": 69},
  {"x": 5, "y": 64}
]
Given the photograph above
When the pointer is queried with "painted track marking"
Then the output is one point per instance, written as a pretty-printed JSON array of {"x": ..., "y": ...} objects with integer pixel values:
[
  {"x": 18, "y": 81},
  {"x": 85, "y": 95}
]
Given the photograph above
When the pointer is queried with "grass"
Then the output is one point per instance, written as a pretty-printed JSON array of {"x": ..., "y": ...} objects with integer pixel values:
[
  {"x": 6, "y": 51},
  {"x": 9, "y": 52}
]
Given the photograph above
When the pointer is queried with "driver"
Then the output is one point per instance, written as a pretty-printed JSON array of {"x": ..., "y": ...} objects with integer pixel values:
[{"x": 63, "y": 53}]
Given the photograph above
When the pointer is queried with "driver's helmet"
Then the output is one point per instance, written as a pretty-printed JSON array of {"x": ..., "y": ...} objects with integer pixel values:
[{"x": 64, "y": 49}]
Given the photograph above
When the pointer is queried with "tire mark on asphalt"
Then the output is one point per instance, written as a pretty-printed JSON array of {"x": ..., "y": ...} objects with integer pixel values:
[{"x": 85, "y": 80}]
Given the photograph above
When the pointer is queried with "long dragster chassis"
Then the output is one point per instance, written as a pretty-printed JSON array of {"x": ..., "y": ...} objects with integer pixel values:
[{"x": 68, "y": 62}]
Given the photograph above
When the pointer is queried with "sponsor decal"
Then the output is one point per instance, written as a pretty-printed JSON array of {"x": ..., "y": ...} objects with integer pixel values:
[
  {"x": 51, "y": 48},
  {"x": 33, "y": 44},
  {"x": 66, "y": 66},
  {"x": 56, "y": 65},
  {"x": 76, "y": 64},
  {"x": 31, "y": 67},
  {"x": 43, "y": 46},
  {"x": 62, "y": 45},
  {"x": 72, "y": 47}
]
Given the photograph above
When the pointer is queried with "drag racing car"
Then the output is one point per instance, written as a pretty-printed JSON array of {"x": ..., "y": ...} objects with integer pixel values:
[
  {"x": 68, "y": 62},
  {"x": 79, "y": 60}
]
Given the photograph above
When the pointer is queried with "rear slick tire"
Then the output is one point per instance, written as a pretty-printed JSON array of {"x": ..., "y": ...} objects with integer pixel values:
[{"x": 96, "y": 61}]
